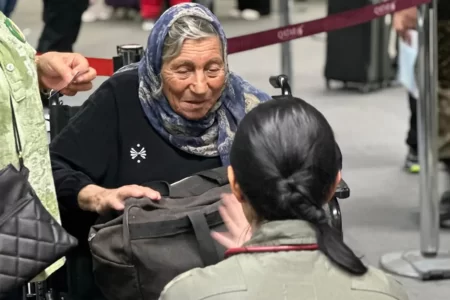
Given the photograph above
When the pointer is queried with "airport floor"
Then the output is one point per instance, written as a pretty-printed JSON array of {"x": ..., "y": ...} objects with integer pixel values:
[{"x": 381, "y": 215}]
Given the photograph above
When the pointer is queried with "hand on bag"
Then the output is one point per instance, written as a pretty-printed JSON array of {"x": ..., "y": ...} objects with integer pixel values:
[
  {"x": 100, "y": 200},
  {"x": 404, "y": 21},
  {"x": 239, "y": 230},
  {"x": 57, "y": 70}
]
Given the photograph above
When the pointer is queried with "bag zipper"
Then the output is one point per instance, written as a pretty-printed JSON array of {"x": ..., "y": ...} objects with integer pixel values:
[{"x": 91, "y": 237}]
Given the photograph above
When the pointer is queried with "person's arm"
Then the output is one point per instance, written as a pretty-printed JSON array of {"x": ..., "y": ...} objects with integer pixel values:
[
  {"x": 405, "y": 20},
  {"x": 82, "y": 153},
  {"x": 57, "y": 70},
  {"x": 87, "y": 151},
  {"x": 239, "y": 230}
]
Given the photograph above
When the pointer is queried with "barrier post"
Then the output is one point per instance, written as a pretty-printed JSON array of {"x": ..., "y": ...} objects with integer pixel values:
[
  {"x": 427, "y": 127},
  {"x": 427, "y": 263},
  {"x": 286, "y": 54}
]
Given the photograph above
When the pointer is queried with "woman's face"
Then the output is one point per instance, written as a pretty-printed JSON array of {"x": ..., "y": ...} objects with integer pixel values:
[{"x": 193, "y": 81}]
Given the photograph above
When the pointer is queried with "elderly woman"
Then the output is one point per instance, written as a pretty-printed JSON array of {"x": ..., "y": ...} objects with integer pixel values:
[{"x": 171, "y": 115}]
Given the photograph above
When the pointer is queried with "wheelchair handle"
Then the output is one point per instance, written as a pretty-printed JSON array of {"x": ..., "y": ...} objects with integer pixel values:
[
  {"x": 342, "y": 190},
  {"x": 281, "y": 81},
  {"x": 127, "y": 54}
]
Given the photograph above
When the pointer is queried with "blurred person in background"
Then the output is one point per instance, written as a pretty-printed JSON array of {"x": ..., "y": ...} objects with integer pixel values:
[
  {"x": 406, "y": 20},
  {"x": 98, "y": 10},
  {"x": 251, "y": 10},
  {"x": 152, "y": 9},
  {"x": 62, "y": 23},
  {"x": 102, "y": 10},
  {"x": 7, "y": 7},
  {"x": 412, "y": 160}
]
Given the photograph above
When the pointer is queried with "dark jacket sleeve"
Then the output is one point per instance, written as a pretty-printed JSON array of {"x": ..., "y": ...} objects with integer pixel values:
[{"x": 82, "y": 153}]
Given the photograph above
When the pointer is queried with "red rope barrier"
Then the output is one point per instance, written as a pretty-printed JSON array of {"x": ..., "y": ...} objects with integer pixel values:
[
  {"x": 103, "y": 66},
  {"x": 337, "y": 21}
]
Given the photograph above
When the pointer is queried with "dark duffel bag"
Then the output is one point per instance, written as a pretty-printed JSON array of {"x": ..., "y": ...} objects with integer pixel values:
[{"x": 138, "y": 253}]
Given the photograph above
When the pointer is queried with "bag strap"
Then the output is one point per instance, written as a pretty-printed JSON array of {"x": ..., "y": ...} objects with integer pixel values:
[
  {"x": 218, "y": 175},
  {"x": 165, "y": 228},
  {"x": 163, "y": 187},
  {"x": 207, "y": 248},
  {"x": 16, "y": 136},
  {"x": 209, "y": 179}
]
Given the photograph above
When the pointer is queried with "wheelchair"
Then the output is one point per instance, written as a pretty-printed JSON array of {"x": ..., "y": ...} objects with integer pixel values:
[{"x": 59, "y": 116}]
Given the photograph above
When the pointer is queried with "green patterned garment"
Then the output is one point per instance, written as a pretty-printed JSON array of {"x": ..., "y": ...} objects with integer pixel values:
[
  {"x": 444, "y": 88},
  {"x": 18, "y": 80}
]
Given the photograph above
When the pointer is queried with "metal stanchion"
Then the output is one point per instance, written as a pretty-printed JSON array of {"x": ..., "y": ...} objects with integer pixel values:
[
  {"x": 428, "y": 263},
  {"x": 286, "y": 54},
  {"x": 427, "y": 122}
]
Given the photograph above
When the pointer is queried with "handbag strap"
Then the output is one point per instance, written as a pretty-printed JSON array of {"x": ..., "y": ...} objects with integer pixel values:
[
  {"x": 16, "y": 135},
  {"x": 206, "y": 246}
]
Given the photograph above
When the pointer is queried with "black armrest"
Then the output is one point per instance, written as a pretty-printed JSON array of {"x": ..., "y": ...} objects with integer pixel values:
[{"x": 342, "y": 190}]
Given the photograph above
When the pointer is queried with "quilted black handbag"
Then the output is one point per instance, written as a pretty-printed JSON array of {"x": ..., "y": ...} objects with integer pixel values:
[{"x": 30, "y": 238}]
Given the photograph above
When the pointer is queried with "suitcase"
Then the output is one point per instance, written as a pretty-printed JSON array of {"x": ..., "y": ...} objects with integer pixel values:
[{"x": 359, "y": 56}]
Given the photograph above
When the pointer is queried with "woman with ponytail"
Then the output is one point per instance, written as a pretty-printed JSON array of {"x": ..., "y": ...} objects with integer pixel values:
[{"x": 285, "y": 166}]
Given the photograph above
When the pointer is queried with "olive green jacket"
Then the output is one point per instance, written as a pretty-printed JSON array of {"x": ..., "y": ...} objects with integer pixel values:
[
  {"x": 292, "y": 275},
  {"x": 18, "y": 80}
]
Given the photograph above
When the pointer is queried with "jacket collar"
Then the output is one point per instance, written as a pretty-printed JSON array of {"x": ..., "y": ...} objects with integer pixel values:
[{"x": 288, "y": 232}]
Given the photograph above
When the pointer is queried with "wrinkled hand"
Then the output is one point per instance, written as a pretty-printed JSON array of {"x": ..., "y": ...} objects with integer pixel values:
[
  {"x": 404, "y": 21},
  {"x": 239, "y": 230},
  {"x": 56, "y": 71},
  {"x": 101, "y": 200}
]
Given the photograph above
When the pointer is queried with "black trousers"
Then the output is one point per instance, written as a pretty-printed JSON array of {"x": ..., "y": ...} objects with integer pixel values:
[
  {"x": 261, "y": 6},
  {"x": 62, "y": 19},
  {"x": 411, "y": 139}
]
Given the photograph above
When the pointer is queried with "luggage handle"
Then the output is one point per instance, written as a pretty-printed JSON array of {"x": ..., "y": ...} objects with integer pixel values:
[{"x": 206, "y": 245}]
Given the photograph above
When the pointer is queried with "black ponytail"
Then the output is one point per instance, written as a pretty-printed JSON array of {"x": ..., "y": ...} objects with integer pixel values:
[
  {"x": 331, "y": 244},
  {"x": 292, "y": 191},
  {"x": 286, "y": 161}
]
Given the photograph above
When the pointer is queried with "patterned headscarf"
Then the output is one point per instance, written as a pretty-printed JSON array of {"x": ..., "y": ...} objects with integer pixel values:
[{"x": 212, "y": 135}]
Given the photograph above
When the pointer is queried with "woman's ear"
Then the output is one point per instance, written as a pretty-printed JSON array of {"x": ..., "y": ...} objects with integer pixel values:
[
  {"x": 338, "y": 178},
  {"x": 235, "y": 189},
  {"x": 335, "y": 185}
]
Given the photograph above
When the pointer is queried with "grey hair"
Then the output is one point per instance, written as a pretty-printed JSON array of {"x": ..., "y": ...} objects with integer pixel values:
[{"x": 185, "y": 28}]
